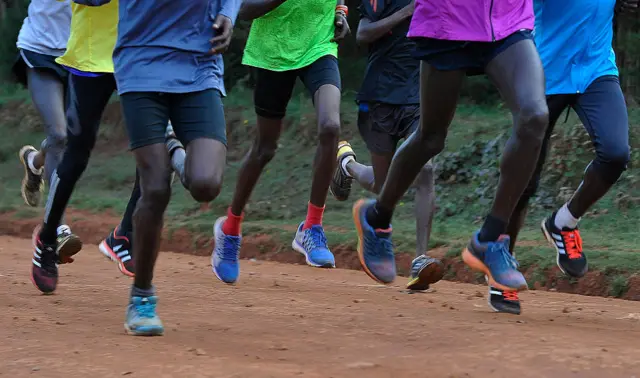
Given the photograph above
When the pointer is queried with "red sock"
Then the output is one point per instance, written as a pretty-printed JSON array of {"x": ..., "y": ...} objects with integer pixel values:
[
  {"x": 314, "y": 216},
  {"x": 233, "y": 224}
]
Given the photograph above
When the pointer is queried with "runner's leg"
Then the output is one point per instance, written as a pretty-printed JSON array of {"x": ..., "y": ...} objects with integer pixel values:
[
  {"x": 556, "y": 104},
  {"x": 518, "y": 74}
]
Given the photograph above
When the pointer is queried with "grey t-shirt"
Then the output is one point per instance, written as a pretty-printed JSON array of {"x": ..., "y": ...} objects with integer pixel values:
[{"x": 46, "y": 28}]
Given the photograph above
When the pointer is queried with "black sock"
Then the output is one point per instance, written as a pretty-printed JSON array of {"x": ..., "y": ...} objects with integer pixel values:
[
  {"x": 378, "y": 217},
  {"x": 126, "y": 225},
  {"x": 491, "y": 229},
  {"x": 137, "y": 292},
  {"x": 59, "y": 195}
]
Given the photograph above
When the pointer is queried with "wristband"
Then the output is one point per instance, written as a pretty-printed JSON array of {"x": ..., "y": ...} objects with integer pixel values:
[{"x": 342, "y": 9}]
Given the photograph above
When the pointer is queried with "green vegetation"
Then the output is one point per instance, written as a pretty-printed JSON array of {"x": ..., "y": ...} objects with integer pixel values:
[{"x": 467, "y": 174}]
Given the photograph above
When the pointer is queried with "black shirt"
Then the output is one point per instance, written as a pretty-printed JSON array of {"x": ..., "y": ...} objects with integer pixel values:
[{"x": 392, "y": 74}]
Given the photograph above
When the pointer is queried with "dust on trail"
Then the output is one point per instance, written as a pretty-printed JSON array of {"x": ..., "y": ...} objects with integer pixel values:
[{"x": 285, "y": 320}]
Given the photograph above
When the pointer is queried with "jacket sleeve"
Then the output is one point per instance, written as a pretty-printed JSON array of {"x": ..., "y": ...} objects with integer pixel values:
[
  {"x": 228, "y": 8},
  {"x": 92, "y": 3}
]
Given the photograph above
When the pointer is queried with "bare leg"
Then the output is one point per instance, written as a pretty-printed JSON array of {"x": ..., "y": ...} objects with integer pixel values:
[
  {"x": 424, "y": 207},
  {"x": 372, "y": 177},
  {"x": 439, "y": 92},
  {"x": 155, "y": 176},
  {"x": 262, "y": 151},
  {"x": 518, "y": 74},
  {"x": 327, "y": 99}
]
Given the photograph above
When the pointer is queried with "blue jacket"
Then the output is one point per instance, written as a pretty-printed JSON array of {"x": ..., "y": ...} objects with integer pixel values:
[
  {"x": 574, "y": 38},
  {"x": 163, "y": 45}
]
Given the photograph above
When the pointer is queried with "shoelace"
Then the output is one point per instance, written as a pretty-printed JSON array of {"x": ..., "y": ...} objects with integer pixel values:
[
  {"x": 146, "y": 309},
  {"x": 383, "y": 244},
  {"x": 510, "y": 295},
  {"x": 573, "y": 243},
  {"x": 316, "y": 238},
  {"x": 502, "y": 256},
  {"x": 48, "y": 258},
  {"x": 231, "y": 249}
]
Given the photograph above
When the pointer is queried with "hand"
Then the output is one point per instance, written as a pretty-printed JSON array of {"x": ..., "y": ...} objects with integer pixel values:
[
  {"x": 627, "y": 6},
  {"x": 341, "y": 28},
  {"x": 223, "y": 30}
]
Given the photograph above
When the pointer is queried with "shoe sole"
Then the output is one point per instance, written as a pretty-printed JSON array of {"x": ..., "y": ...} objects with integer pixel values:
[
  {"x": 25, "y": 179},
  {"x": 299, "y": 248},
  {"x": 356, "y": 219},
  {"x": 70, "y": 247},
  {"x": 215, "y": 237},
  {"x": 429, "y": 274},
  {"x": 547, "y": 235},
  {"x": 152, "y": 332},
  {"x": 475, "y": 264},
  {"x": 108, "y": 253}
]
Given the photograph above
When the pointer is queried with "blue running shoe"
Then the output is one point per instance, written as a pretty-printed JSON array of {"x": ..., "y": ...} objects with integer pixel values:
[
  {"x": 141, "y": 318},
  {"x": 313, "y": 245},
  {"x": 224, "y": 259},
  {"x": 375, "y": 248},
  {"x": 494, "y": 260}
]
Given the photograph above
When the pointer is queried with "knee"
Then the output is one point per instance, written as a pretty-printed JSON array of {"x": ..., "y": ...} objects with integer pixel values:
[
  {"x": 533, "y": 120},
  {"x": 205, "y": 189},
  {"x": 433, "y": 143},
  {"x": 155, "y": 195},
  {"x": 263, "y": 151},
  {"x": 329, "y": 130},
  {"x": 612, "y": 162}
]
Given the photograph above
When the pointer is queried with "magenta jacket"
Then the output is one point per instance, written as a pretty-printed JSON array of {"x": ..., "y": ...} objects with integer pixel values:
[{"x": 470, "y": 20}]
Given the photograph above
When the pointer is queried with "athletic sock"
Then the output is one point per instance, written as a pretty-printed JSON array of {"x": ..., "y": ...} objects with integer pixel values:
[
  {"x": 564, "y": 219},
  {"x": 59, "y": 195},
  {"x": 344, "y": 162},
  {"x": 233, "y": 225},
  {"x": 126, "y": 224},
  {"x": 30, "y": 157},
  {"x": 314, "y": 216},
  {"x": 491, "y": 229},
  {"x": 378, "y": 217},
  {"x": 137, "y": 292}
]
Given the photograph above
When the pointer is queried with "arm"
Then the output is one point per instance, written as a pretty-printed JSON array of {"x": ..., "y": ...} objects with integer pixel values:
[
  {"x": 230, "y": 9},
  {"x": 370, "y": 31},
  {"x": 252, "y": 9}
]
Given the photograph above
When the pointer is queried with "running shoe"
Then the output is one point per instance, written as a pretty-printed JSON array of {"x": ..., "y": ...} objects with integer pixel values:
[
  {"x": 568, "y": 244},
  {"x": 425, "y": 271},
  {"x": 68, "y": 244},
  {"x": 32, "y": 184},
  {"x": 495, "y": 261},
  {"x": 312, "y": 243},
  {"x": 506, "y": 301},
  {"x": 118, "y": 249},
  {"x": 375, "y": 248},
  {"x": 141, "y": 318},
  {"x": 224, "y": 259},
  {"x": 340, "y": 186},
  {"x": 44, "y": 270}
]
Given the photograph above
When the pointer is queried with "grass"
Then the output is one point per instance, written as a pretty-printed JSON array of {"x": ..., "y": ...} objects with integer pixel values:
[{"x": 279, "y": 201}]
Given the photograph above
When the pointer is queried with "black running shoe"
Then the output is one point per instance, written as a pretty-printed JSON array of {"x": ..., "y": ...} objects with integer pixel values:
[
  {"x": 568, "y": 244},
  {"x": 118, "y": 249},
  {"x": 68, "y": 244},
  {"x": 504, "y": 301},
  {"x": 340, "y": 186},
  {"x": 32, "y": 185},
  {"x": 44, "y": 270}
]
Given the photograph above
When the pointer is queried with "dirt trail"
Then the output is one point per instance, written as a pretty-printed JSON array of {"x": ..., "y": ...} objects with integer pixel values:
[{"x": 284, "y": 320}]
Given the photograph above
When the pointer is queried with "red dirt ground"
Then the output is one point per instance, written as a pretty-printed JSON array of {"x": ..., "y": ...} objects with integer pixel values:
[{"x": 284, "y": 320}]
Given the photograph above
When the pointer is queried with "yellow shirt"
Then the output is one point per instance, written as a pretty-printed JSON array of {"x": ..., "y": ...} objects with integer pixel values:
[{"x": 93, "y": 36}]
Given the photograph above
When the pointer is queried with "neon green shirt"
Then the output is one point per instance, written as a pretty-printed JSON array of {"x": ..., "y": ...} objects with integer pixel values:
[{"x": 292, "y": 36}]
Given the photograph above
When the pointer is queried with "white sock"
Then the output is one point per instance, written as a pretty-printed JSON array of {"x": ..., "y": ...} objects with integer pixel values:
[
  {"x": 564, "y": 219},
  {"x": 33, "y": 169},
  {"x": 344, "y": 162},
  {"x": 62, "y": 228}
]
